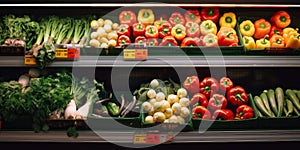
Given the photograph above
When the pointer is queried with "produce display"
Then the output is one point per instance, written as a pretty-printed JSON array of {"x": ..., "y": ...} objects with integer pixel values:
[
  {"x": 265, "y": 33},
  {"x": 213, "y": 99},
  {"x": 274, "y": 103},
  {"x": 42, "y": 97}
]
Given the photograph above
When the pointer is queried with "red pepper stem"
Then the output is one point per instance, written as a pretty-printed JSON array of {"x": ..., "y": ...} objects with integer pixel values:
[
  {"x": 139, "y": 26},
  {"x": 207, "y": 88},
  {"x": 239, "y": 96},
  {"x": 241, "y": 113},
  {"x": 127, "y": 16},
  {"x": 165, "y": 30},
  {"x": 210, "y": 12}
]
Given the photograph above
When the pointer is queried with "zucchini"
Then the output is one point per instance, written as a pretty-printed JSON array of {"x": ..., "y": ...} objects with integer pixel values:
[
  {"x": 261, "y": 107},
  {"x": 259, "y": 113},
  {"x": 272, "y": 100},
  {"x": 296, "y": 111},
  {"x": 279, "y": 94},
  {"x": 292, "y": 96},
  {"x": 290, "y": 107},
  {"x": 265, "y": 100}
]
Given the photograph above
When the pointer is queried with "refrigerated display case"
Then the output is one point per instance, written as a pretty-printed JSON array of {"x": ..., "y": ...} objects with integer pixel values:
[{"x": 255, "y": 71}]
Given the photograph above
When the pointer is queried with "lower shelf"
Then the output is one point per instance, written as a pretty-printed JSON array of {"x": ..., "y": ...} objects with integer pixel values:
[{"x": 128, "y": 137}]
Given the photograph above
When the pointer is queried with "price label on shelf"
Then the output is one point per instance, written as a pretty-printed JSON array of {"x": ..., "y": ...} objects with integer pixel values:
[
  {"x": 139, "y": 138},
  {"x": 61, "y": 53},
  {"x": 29, "y": 60},
  {"x": 135, "y": 52}
]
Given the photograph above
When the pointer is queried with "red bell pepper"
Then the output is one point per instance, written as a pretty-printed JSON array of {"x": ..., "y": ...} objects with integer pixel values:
[
  {"x": 152, "y": 42},
  {"x": 225, "y": 84},
  {"x": 123, "y": 39},
  {"x": 223, "y": 114},
  {"x": 164, "y": 30},
  {"x": 189, "y": 42},
  {"x": 227, "y": 37},
  {"x": 262, "y": 28},
  {"x": 209, "y": 86},
  {"x": 138, "y": 30},
  {"x": 124, "y": 29},
  {"x": 217, "y": 101},
  {"x": 176, "y": 18},
  {"x": 199, "y": 99},
  {"x": 201, "y": 112},
  {"x": 210, "y": 13},
  {"x": 210, "y": 40},
  {"x": 168, "y": 41},
  {"x": 140, "y": 40},
  {"x": 151, "y": 31},
  {"x": 191, "y": 84},
  {"x": 127, "y": 17},
  {"x": 275, "y": 31},
  {"x": 192, "y": 29},
  {"x": 192, "y": 15},
  {"x": 244, "y": 112},
  {"x": 237, "y": 96},
  {"x": 281, "y": 19}
]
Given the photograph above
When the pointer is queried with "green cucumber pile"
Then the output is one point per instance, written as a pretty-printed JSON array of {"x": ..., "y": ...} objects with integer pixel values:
[{"x": 273, "y": 103}]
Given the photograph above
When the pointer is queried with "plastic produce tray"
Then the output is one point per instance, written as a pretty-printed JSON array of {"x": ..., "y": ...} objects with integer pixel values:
[{"x": 251, "y": 123}]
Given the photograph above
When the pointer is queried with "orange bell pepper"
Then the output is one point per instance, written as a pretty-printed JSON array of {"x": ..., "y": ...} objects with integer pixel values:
[
  {"x": 277, "y": 41},
  {"x": 262, "y": 28}
]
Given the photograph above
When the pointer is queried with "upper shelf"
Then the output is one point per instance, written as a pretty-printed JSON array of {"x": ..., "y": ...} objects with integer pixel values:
[{"x": 167, "y": 61}]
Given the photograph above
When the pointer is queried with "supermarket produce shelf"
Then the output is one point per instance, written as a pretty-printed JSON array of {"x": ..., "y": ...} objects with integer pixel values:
[
  {"x": 128, "y": 137},
  {"x": 166, "y": 61}
]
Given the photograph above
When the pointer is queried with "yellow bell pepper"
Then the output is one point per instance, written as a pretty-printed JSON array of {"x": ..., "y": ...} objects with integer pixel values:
[
  {"x": 146, "y": 16},
  {"x": 208, "y": 26},
  {"x": 247, "y": 28},
  {"x": 249, "y": 42},
  {"x": 263, "y": 43},
  {"x": 228, "y": 20},
  {"x": 179, "y": 32},
  {"x": 293, "y": 41},
  {"x": 289, "y": 32}
]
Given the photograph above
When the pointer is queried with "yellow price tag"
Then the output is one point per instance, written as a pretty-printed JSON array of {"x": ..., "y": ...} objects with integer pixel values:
[
  {"x": 29, "y": 60},
  {"x": 61, "y": 53},
  {"x": 129, "y": 54},
  {"x": 139, "y": 139}
]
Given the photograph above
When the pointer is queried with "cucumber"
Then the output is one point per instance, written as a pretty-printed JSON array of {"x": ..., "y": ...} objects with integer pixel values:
[
  {"x": 272, "y": 100},
  {"x": 279, "y": 94},
  {"x": 265, "y": 100},
  {"x": 261, "y": 107},
  {"x": 293, "y": 97}
]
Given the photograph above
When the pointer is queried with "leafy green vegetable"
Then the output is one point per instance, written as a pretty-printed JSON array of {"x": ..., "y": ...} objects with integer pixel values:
[
  {"x": 21, "y": 27},
  {"x": 13, "y": 103}
]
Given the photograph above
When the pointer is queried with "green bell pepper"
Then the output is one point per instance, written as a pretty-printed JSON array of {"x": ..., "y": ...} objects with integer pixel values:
[{"x": 113, "y": 108}]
